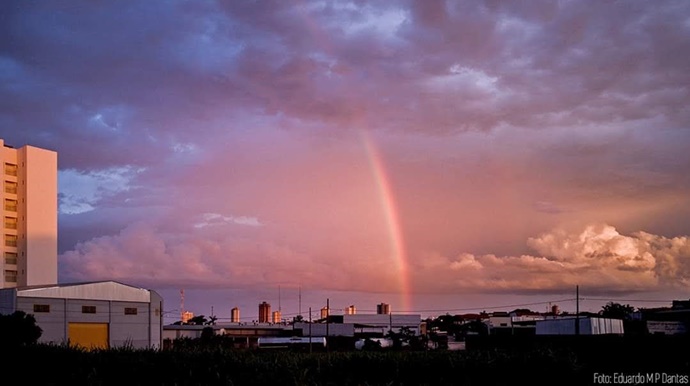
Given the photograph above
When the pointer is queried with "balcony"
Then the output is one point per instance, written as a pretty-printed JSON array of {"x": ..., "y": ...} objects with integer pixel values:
[
  {"x": 11, "y": 241},
  {"x": 11, "y": 205},
  {"x": 10, "y": 187},
  {"x": 10, "y": 223},
  {"x": 11, "y": 169},
  {"x": 10, "y": 276}
]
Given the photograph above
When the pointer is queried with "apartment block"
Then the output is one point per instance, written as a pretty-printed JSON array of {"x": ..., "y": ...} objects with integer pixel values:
[{"x": 29, "y": 216}]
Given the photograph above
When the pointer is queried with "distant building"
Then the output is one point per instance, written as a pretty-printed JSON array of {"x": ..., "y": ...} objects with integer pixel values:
[
  {"x": 29, "y": 206},
  {"x": 293, "y": 343},
  {"x": 264, "y": 313},
  {"x": 680, "y": 305},
  {"x": 666, "y": 327},
  {"x": 663, "y": 314},
  {"x": 235, "y": 315},
  {"x": 361, "y": 325},
  {"x": 276, "y": 317},
  {"x": 587, "y": 326},
  {"x": 383, "y": 308},
  {"x": 324, "y": 312},
  {"x": 240, "y": 335},
  {"x": 380, "y": 324},
  {"x": 323, "y": 329},
  {"x": 91, "y": 315},
  {"x": 186, "y": 316},
  {"x": 513, "y": 323},
  {"x": 499, "y": 320},
  {"x": 350, "y": 310}
]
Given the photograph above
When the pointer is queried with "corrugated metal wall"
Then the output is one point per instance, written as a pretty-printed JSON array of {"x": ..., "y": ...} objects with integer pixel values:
[{"x": 139, "y": 329}]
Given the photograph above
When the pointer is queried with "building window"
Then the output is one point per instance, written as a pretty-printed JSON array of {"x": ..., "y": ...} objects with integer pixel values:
[
  {"x": 10, "y": 169},
  {"x": 10, "y": 205},
  {"x": 10, "y": 223},
  {"x": 10, "y": 240},
  {"x": 88, "y": 309},
  {"x": 10, "y": 276},
  {"x": 130, "y": 310},
  {"x": 41, "y": 307},
  {"x": 10, "y": 187},
  {"x": 11, "y": 258}
]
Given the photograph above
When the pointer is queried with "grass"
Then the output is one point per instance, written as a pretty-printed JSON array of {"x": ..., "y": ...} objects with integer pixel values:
[{"x": 58, "y": 365}]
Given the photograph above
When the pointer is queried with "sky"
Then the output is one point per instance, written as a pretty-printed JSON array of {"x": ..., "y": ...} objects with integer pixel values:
[{"x": 436, "y": 156}]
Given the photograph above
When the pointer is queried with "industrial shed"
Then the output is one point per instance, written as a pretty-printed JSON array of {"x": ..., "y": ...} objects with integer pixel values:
[
  {"x": 380, "y": 324},
  {"x": 92, "y": 315},
  {"x": 588, "y": 326}
]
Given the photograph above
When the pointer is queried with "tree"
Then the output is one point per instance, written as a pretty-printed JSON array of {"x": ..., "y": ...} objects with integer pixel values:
[
  {"x": 617, "y": 311},
  {"x": 395, "y": 339},
  {"x": 198, "y": 320},
  {"x": 406, "y": 337},
  {"x": 207, "y": 334},
  {"x": 474, "y": 327},
  {"x": 18, "y": 329}
]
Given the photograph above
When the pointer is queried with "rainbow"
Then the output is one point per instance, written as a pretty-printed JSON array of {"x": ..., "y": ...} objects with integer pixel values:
[
  {"x": 390, "y": 208},
  {"x": 397, "y": 244}
]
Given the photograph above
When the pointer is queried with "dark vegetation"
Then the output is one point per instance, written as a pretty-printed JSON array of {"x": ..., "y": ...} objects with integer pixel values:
[
  {"x": 503, "y": 362},
  {"x": 617, "y": 311},
  {"x": 18, "y": 329},
  {"x": 199, "y": 320},
  {"x": 62, "y": 365},
  {"x": 216, "y": 360}
]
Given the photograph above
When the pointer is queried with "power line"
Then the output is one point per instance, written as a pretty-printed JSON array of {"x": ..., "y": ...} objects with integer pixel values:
[
  {"x": 629, "y": 300},
  {"x": 494, "y": 307},
  {"x": 451, "y": 309},
  {"x": 170, "y": 314}
]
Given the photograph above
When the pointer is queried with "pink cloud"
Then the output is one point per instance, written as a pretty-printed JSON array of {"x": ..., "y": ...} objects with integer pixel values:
[{"x": 598, "y": 258}]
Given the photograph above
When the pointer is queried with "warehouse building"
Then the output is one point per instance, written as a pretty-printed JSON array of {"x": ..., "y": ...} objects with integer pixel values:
[
  {"x": 91, "y": 315},
  {"x": 587, "y": 326}
]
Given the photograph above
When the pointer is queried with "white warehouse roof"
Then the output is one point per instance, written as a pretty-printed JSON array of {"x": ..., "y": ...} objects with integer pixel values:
[{"x": 101, "y": 290}]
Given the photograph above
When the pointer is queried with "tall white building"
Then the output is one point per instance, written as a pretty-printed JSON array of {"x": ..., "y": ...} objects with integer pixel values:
[{"x": 29, "y": 212}]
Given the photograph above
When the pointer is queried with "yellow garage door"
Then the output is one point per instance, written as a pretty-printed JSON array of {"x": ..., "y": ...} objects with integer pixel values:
[{"x": 88, "y": 335}]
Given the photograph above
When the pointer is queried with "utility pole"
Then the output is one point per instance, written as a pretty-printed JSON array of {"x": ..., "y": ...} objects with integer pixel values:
[
  {"x": 299, "y": 297},
  {"x": 309, "y": 330},
  {"x": 577, "y": 310},
  {"x": 182, "y": 305},
  {"x": 328, "y": 314}
]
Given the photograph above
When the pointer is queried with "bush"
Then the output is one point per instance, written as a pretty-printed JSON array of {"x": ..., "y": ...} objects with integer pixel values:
[{"x": 18, "y": 329}]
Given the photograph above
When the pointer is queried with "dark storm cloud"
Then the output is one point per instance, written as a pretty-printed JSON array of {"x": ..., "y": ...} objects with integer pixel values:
[{"x": 441, "y": 67}]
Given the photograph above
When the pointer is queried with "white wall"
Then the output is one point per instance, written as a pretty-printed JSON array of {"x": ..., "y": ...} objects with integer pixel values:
[
  {"x": 588, "y": 326},
  {"x": 38, "y": 211},
  {"x": 156, "y": 319},
  {"x": 319, "y": 329},
  {"x": 52, "y": 323},
  {"x": 123, "y": 329}
]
